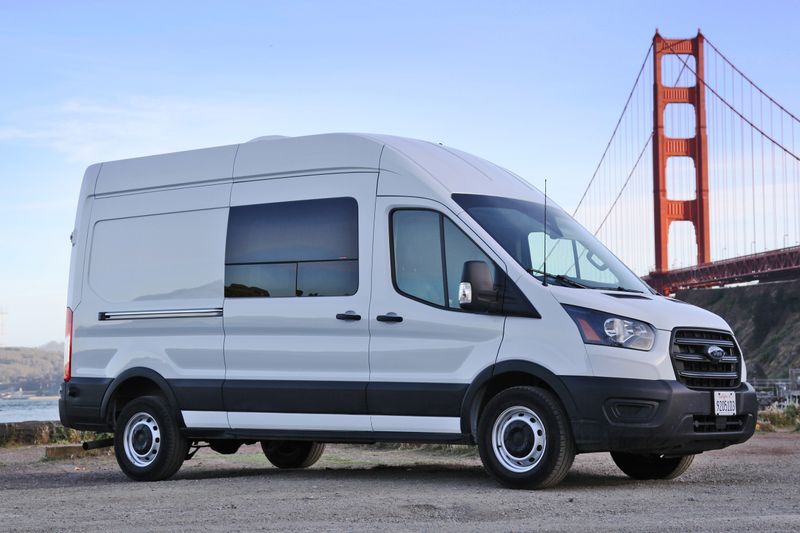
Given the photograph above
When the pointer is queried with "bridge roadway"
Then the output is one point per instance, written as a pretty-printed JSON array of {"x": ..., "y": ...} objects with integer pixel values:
[{"x": 772, "y": 265}]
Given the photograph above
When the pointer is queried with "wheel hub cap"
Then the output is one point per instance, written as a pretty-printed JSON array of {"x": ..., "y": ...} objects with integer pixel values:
[
  {"x": 141, "y": 439},
  {"x": 519, "y": 439}
]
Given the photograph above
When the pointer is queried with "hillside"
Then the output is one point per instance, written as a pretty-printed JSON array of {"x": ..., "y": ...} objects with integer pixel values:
[
  {"x": 33, "y": 369},
  {"x": 765, "y": 318}
]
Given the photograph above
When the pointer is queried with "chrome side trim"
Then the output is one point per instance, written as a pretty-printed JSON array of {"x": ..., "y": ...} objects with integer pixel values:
[{"x": 169, "y": 313}]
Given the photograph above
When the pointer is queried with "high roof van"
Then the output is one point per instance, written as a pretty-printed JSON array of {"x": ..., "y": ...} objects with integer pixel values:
[{"x": 363, "y": 288}]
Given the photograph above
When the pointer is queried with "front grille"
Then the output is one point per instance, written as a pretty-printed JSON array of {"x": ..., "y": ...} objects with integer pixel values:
[
  {"x": 715, "y": 424},
  {"x": 697, "y": 370}
]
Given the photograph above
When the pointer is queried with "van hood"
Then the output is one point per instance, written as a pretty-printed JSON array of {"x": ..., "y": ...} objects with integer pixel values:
[{"x": 662, "y": 312}]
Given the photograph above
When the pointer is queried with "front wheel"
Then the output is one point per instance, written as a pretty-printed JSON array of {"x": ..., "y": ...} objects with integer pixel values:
[
  {"x": 524, "y": 439},
  {"x": 292, "y": 454},
  {"x": 651, "y": 466},
  {"x": 147, "y": 442}
]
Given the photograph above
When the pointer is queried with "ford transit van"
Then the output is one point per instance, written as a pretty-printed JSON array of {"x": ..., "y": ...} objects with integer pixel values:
[{"x": 362, "y": 288}]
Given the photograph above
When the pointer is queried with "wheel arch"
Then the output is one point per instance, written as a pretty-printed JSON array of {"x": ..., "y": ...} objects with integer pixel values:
[
  {"x": 138, "y": 379},
  {"x": 506, "y": 374}
]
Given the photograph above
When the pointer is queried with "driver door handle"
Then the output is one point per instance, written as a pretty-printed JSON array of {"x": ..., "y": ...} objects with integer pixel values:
[
  {"x": 389, "y": 318},
  {"x": 348, "y": 316}
]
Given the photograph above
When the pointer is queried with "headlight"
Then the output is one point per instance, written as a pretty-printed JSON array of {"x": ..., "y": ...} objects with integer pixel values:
[{"x": 597, "y": 327}]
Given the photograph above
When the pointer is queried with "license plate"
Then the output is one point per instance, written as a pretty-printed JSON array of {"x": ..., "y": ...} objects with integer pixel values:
[{"x": 724, "y": 403}]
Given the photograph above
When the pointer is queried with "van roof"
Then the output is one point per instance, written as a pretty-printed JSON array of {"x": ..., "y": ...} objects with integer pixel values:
[{"x": 407, "y": 166}]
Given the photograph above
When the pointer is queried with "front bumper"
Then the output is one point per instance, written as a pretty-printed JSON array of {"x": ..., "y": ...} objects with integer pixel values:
[{"x": 654, "y": 416}]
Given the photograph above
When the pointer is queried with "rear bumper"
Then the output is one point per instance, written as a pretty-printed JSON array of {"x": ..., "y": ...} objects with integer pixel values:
[
  {"x": 655, "y": 416},
  {"x": 79, "y": 403}
]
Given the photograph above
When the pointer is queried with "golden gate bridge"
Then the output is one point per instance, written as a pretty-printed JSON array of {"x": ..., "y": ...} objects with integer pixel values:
[{"x": 699, "y": 184}]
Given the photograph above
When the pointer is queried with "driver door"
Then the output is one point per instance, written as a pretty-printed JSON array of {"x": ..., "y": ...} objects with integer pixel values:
[{"x": 424, "y": 349}]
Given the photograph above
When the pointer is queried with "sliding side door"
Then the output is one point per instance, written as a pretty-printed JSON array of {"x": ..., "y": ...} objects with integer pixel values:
[{"x": 297, "y": 285}]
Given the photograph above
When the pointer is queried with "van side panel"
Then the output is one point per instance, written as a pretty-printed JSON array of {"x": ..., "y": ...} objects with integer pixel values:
[{"x": 152, "y": 258}]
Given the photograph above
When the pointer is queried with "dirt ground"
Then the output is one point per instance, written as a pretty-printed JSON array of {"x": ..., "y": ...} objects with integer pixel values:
[{"x": 753, "y": 486}]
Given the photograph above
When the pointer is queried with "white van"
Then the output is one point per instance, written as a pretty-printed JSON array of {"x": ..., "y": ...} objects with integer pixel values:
[{"x": 366, "y": 288}]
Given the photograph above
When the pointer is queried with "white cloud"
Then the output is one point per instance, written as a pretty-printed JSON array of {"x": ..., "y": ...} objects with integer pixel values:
[{"x": 86, "y": 132}]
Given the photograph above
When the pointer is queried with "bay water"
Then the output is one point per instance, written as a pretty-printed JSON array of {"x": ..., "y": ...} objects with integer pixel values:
[{"x": 44, "y": 410}]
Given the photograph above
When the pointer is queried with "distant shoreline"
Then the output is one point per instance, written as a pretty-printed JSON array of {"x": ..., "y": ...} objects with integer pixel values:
[{"x": 39, "y": 398}]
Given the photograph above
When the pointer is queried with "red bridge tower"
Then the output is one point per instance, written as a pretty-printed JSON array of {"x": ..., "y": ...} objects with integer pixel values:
[{"x": 666, "y": 209}]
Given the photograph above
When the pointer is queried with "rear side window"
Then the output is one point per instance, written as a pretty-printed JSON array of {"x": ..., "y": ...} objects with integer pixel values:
[{"x": 291, "y": 249}]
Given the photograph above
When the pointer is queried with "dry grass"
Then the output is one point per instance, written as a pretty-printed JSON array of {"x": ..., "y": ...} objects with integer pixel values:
[
  {"x": 28, "y": 433},
  {"x": 776, "y": 417}
]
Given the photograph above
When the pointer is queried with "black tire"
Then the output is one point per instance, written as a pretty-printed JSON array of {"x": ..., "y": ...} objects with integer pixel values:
[
  {"x": 535, "y": 424},
  {"x": 292, "y": 454},
  {"x": 147, "y": 423},
  {"x": 651, "y": 466}
]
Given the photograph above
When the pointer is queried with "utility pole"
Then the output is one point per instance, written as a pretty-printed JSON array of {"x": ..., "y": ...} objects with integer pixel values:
[{"x": 3, "y": 315}]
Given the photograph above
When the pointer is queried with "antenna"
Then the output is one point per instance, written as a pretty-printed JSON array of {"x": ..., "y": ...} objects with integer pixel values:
[{"x": 544, "y": 238}]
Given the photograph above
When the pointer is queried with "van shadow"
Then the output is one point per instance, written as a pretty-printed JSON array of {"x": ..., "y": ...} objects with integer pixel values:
[
  {"x": 376, "y": 473},
  {"x": 397, "y": 476}
]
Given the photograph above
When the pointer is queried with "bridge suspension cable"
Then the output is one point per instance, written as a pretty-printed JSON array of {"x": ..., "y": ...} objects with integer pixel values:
[
  {"x": 738, "y": 113},
  {"x": 616, "y": 129},
  {"x": 753, "y": 159}
]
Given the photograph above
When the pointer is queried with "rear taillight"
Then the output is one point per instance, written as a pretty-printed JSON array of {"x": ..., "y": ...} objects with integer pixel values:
[{"x": 68, "y": 346}]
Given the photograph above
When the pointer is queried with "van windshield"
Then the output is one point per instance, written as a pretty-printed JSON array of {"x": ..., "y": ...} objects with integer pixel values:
[{"x": 575, "y": 258}]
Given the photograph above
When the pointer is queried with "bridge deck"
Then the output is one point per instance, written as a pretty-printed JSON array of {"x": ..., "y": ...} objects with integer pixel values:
[{"x": 772, "y": 265}]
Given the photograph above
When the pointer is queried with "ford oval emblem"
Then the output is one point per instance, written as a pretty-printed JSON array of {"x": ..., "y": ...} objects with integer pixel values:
[{"x": 715, "y": 353}]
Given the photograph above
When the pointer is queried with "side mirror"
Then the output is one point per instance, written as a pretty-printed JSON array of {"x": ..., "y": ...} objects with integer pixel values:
[{"x": 477, "y": 291}]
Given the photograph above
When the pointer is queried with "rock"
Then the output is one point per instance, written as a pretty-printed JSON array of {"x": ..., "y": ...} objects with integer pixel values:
[
  {"x": 65, "y": 451},
  {"x": 27, "y": 432},
  {"x": 71, "y": 451}
]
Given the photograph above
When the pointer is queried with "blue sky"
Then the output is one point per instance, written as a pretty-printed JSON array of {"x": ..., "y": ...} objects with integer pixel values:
[{"x": 533, "y": 86}]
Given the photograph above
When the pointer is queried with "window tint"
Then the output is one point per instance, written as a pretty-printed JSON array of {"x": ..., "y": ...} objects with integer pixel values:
[
  {"x": 458, "y": 250},
  {"x": 304, "y": 248},
  {"x": 418, "y": 255},
  {"x": 308, "y": 230},
  {"x": 420, "y": 270},
  {"x": 327, "y": 278},
  {"x": 274, "y": 280}
]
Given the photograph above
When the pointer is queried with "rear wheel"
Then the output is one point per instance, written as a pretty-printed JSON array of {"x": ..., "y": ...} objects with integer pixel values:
[
  {"x": 524, "y": 439},
  {"x": 147, "y": 442},
  {"x": 292, "y": 454},
  {"x": 651, "y": 466}
]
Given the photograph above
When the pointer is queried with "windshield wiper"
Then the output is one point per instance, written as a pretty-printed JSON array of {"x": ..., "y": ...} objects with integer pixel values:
[
  {"x": 623, "y": 289},
  {"x": 559, "y": 277}
]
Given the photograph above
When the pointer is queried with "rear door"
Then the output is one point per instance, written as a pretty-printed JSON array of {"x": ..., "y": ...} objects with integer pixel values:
[
  {"x": 424, "y": 350},
  {"x": 297, "y": 288}
]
